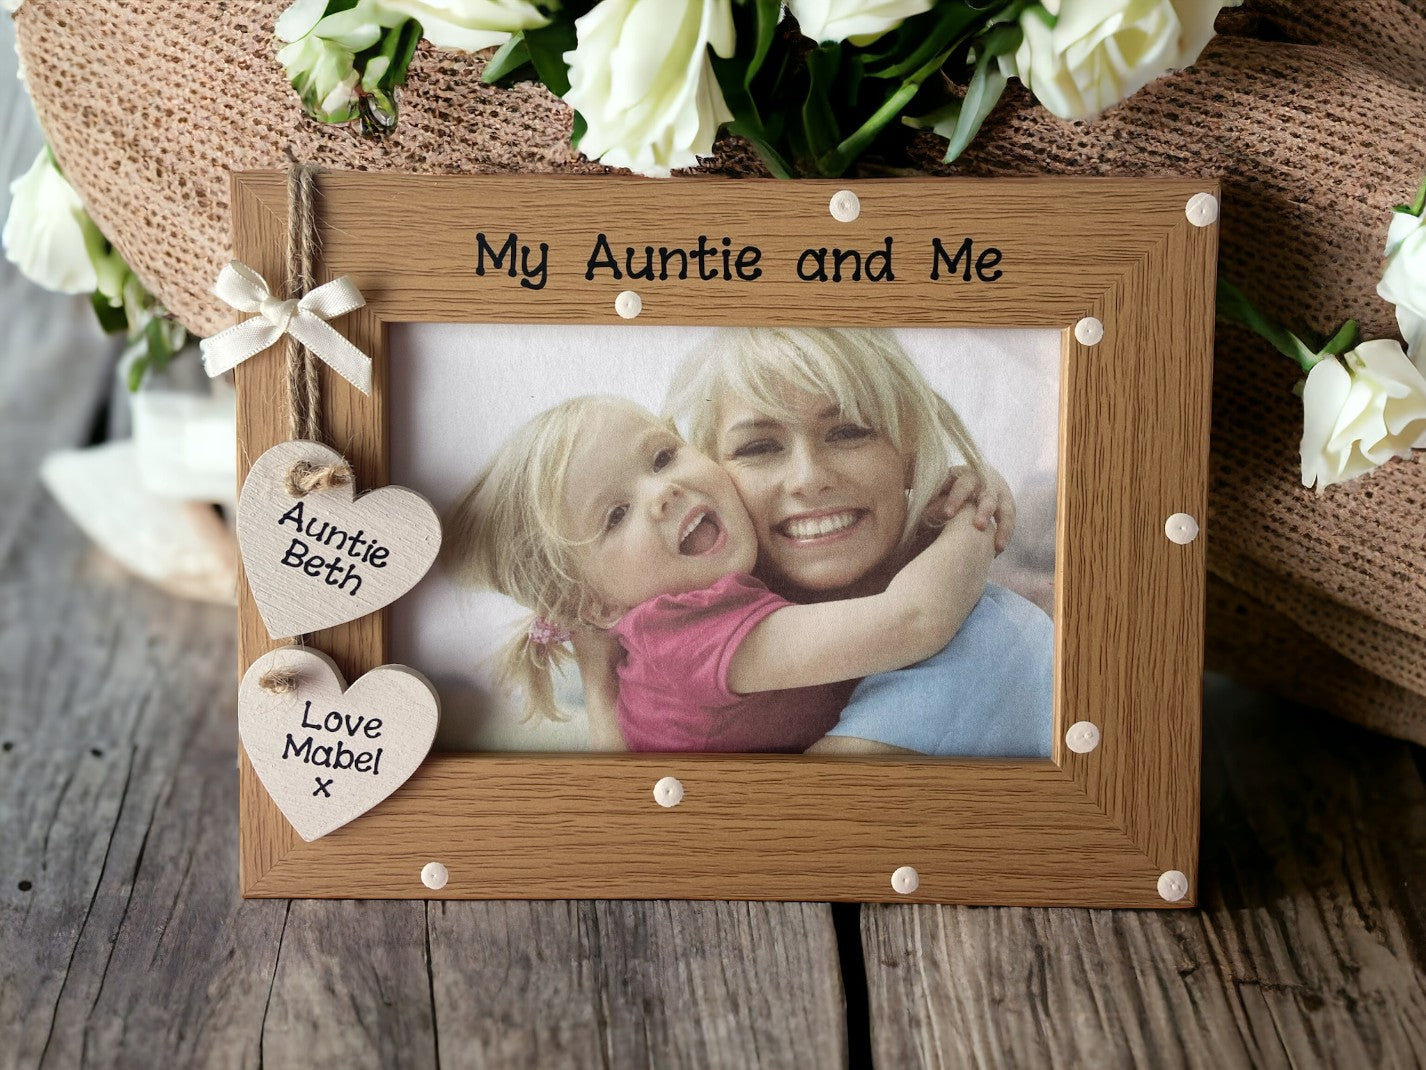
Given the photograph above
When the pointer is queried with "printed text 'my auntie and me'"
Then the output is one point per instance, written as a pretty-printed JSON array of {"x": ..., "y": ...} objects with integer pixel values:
[
  {"x": 344, "y": 550},
  {"x": 709, "y": 259}
]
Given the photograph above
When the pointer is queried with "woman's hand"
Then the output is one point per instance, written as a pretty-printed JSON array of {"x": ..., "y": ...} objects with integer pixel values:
[
  {"x": 992, "y": 498},
  {"x": 598, "y": 654}
]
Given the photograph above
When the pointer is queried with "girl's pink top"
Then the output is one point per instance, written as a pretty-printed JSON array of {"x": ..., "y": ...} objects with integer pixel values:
[{"x": 673, "y": 682}]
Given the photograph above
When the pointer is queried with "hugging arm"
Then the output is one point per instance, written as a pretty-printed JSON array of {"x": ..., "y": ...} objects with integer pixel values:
[
  {"x": 598, "y": 654},
  {"x": 918, "y": 613}
]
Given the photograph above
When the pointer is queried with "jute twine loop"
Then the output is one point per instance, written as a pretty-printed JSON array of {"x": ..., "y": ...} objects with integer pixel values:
[
  {"x": 278, "y": 681},
  {"x": 304, "y": 477}
]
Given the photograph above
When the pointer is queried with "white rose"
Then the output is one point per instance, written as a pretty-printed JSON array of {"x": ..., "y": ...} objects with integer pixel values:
[
  {"x": 1403, "y": 283},
  {"x": 1080, "y": 57},
  {"x": 1360, "y": 411},
  {"x": 641, "y": 79},
  {"x": 864, "y": 20},
  {"x": 45, "y": 234},
  {"x": 470, "y": 25}
]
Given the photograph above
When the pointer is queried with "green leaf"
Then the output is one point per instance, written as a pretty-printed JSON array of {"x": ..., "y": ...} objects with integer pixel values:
[
  {"x": 1235, "y": 308},
  {"x": 157, "y": 340},
  {"x": 138, "y": 368},
  {"x": 999, "y": 40},
  {"x": 547, "y": 46},
  {"x": 925, "y": 37},
  {"x": 112, "y": 318},
  {"x": 513, "y": 56},
  {"x": 986, "y": 87},
  {"x": 768, "y": 14},
  {"x": 1347, "y": 337},
  {"x": 747, "y": 122},
  {"x": 402, "y": 51},
  {"x": 837, "y": 161},
  {"x": 819, "y": 119}
]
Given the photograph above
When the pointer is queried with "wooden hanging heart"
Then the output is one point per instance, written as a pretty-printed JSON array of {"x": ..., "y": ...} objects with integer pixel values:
[
  {"x": 328, "y": 556},
  {"x": 328, "y": 753}
]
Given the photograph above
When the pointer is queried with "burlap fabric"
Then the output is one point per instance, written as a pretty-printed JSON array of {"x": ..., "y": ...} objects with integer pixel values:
[{"x": 1312, "y": 115}]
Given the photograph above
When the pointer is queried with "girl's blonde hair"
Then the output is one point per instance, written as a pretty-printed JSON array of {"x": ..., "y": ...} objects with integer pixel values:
[
  {"x": 865, "y": 373},
  {"x": 507, "y": 534}
]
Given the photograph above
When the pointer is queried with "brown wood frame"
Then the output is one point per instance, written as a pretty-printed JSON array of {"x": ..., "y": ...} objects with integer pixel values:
[{"x": 1094, "y": 829}]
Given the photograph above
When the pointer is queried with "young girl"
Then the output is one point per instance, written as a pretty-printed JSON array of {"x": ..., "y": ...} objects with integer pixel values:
[{"x": 597, "y": 514}]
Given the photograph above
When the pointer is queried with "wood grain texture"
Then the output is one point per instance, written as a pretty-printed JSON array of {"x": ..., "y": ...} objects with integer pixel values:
[
  {"x": 1094, "y": 829},
  {"x": 1307, "y": 949},
  {"x": 352, "y": 988},
  {"x": 119, "y": 923},
  {"x": 636, "y": 984}
]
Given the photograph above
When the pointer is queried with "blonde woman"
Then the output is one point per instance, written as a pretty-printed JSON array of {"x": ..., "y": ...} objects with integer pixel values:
[{"x": 837, "y": 445}]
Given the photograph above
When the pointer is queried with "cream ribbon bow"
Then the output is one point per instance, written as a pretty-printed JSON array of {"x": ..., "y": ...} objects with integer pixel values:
[{"x": 306, "y": 320}]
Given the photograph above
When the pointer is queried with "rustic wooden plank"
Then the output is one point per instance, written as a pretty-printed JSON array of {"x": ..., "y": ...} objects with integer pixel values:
[
  {"x": 1307, "y": 948},
  {"x": 117, "y": 786},
  {"x": 125, "y": 941},
  {"x": 352, "y": 988},
  {"x": 636, "y": 984}
]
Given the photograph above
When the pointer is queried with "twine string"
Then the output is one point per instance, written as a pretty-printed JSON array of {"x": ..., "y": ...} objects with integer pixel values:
[{"x": 304, "y": 400}]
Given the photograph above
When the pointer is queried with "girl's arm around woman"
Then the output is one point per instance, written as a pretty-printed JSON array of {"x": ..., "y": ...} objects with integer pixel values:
[{"x": 919, "y": 612}]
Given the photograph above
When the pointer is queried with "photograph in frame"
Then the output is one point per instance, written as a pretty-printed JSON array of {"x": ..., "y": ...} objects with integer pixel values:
[{"x": 826, "y": 490}]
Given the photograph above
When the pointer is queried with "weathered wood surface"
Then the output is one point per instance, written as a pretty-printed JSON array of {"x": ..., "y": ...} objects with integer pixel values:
[
  {"x": 123, "y": 941},
  {"x": 1307, "y": 948}
]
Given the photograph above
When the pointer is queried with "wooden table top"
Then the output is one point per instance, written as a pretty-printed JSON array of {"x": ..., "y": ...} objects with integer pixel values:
[{"x": 123, "y": 941}]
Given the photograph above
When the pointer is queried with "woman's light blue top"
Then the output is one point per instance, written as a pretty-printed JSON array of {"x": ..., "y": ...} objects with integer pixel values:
[{"x": 989, "y": 693}]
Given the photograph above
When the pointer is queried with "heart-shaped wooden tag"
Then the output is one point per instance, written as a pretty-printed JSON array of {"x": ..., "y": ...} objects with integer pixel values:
[
  {"x": 329, "y": 556},
  {"x": 325, "y": 752}
]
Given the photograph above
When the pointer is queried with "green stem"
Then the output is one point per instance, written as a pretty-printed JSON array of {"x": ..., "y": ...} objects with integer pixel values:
[
  {"x": 840, "y": 158},
  {"x": 1418, "y": 206},
  {"x": 1236, "y": 308}
]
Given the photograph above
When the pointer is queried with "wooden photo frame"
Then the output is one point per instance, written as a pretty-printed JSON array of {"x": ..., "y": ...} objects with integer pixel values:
[{"x": 1123, "y": 269}]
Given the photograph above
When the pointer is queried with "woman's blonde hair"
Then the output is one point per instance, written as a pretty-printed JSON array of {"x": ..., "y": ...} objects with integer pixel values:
[
  {"x": 865, "y": 373},
  {"x": 507, "y": 534}
]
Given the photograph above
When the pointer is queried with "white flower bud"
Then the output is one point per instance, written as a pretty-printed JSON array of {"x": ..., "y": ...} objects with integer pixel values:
[
  {"x": 1403, "y": 283},
  {"x": 1360, "y": 411},
  {"x": 45, "y": 234}
]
